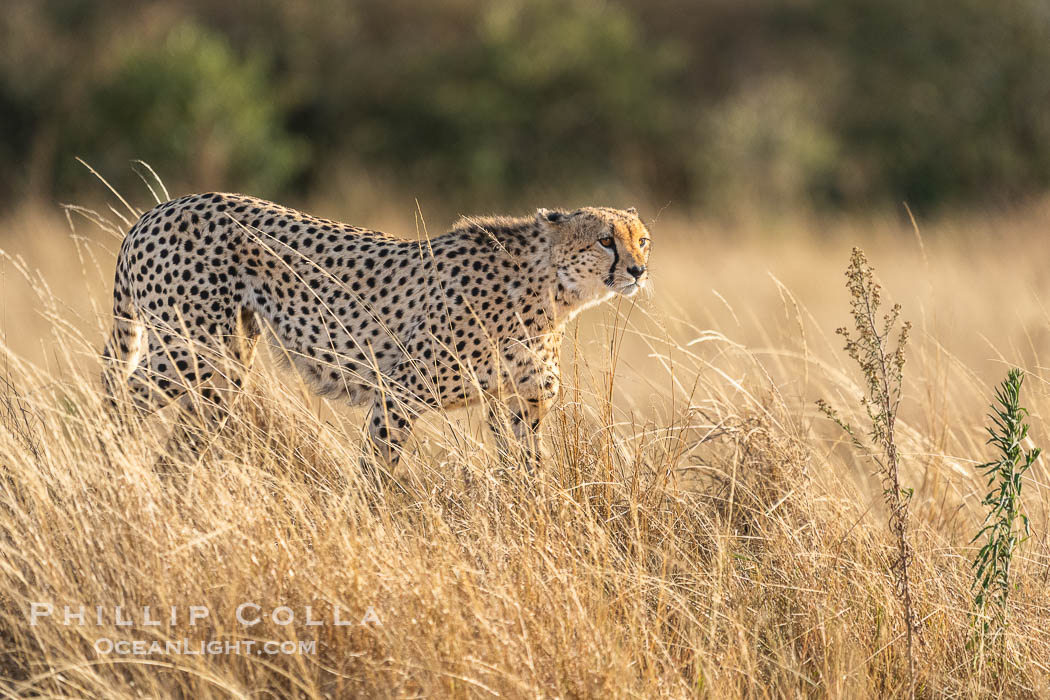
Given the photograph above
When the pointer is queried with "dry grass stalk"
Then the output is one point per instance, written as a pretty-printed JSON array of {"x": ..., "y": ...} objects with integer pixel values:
[{"x": 882, "y": 367}]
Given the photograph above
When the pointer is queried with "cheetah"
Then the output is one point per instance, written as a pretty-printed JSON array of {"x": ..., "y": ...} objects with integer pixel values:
[{"x": 474, "y": 314}]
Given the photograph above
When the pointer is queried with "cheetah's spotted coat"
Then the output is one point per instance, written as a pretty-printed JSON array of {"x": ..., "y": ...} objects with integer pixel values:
[{"x": 475, "y": 313}]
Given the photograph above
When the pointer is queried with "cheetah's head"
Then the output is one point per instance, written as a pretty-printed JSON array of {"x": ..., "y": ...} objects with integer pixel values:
[{"x": 598, "y": 251}]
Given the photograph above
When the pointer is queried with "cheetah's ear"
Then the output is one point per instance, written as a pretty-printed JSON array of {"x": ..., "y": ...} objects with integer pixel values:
[
  {"x": 631, "y": 210},
  {"x": 549, "y": 216}
]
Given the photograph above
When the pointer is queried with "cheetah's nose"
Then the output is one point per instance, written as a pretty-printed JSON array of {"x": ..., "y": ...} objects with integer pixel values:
[{"x": 636, "y": 270}]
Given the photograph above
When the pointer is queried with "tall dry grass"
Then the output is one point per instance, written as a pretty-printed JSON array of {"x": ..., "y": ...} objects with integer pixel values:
[{"x": 697, "y": 528}]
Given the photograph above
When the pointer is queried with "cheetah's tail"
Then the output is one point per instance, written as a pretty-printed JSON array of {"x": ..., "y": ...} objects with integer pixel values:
[{"x": 123, "y": 350}]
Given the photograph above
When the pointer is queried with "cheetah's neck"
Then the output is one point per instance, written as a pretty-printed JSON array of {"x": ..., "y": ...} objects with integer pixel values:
[
  {"x": 557, "y": 301},
  {"x": 566, "y": 303}
]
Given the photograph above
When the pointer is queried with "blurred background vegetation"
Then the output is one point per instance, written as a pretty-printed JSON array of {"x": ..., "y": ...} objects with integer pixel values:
[{"x": 779, "y": 104}]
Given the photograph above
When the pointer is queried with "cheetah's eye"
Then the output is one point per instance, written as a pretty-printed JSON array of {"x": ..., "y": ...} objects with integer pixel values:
[
  {"x": 606, "y": 242},
  {"x": 643, "y": 242}
]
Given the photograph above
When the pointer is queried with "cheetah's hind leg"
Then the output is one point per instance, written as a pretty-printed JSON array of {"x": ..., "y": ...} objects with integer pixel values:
[
  {"x": 205, "y": 411},
  {"x": 200, "y": 378}
]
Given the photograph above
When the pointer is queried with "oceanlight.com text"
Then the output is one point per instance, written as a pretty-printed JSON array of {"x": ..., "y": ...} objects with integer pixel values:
[{"x": 105, "y": 646}]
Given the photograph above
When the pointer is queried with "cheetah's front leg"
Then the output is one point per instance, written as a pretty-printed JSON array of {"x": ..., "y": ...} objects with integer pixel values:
[
  {"x": 389, "y": 426},
  {"x": 522, "y": 415}
]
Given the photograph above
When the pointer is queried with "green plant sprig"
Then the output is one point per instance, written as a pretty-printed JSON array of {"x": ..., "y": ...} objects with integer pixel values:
[{"x": 1001, "y": 535}]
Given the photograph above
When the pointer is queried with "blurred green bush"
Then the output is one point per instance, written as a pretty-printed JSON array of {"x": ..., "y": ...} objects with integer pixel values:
[
  {"x": 550, "y": 92},
  {"x": 768, "y": 103},
  {"x": 191, "y": 105}
]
